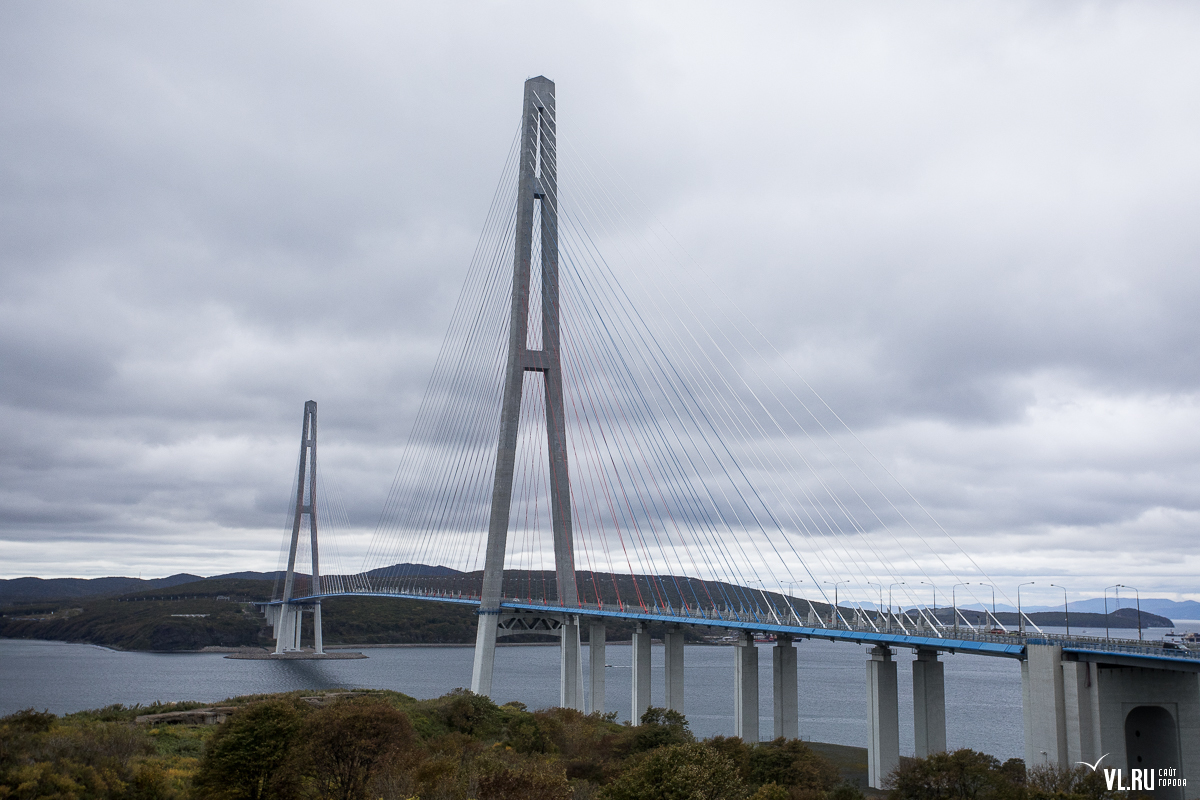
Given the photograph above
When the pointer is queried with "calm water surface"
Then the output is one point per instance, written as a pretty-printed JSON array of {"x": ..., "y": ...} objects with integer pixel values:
[{"x": 983, "y": 694}]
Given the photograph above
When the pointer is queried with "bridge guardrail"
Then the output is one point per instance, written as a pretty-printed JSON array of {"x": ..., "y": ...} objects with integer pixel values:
[{"x": 768, "y": 618}]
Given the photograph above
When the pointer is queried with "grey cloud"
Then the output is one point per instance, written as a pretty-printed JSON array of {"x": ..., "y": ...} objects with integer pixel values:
[{"x": 970, "y": 229}]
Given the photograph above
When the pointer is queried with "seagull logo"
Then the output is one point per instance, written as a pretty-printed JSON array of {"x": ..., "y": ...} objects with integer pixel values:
[{"x": 1092, "y": 767}]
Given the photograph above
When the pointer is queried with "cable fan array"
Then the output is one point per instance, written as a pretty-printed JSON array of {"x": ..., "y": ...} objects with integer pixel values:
[{"x": 704, "y": 472}]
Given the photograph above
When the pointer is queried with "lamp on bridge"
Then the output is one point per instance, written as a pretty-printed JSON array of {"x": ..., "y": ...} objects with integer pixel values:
[
  {"x": 1020, "y": 614},
  {"x": 935, "y": 619},
  {"x": 836, "y": 617},
  {"x": 1117, "y": 587},
  {"x": 878, "y": 608},
  {"x": 890, "y": 614},
  {"x": 995, "y": 619},
  {"x": 1138, "y": 597},
  {"x": 1066, "y": 611},
  {"x": 954, "y": 603}
]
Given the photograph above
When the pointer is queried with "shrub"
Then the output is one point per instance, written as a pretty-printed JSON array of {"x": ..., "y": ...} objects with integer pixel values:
[
  {"x": 243, "y": 758},
  {"x": 791, "y": 763},
  {"x": 679, "y": 772},
  {"x": 343, "y": 747},
  {"x": 961, "y": 775}
]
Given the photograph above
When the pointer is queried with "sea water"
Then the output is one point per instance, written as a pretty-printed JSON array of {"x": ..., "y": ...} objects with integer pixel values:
[{"x": 983, "y": 693}]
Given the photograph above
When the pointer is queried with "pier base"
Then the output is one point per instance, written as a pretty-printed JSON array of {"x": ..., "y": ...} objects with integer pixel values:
[
  {"x": 596, "y": 655},
  {"x": 745, "y": 689},
  {"x": 929, "y": 704},
  {"x": 640, "y": 689},
  {"x": 673, "y": 669},
  {"x": 570, "y": 673},
  {"x": 783, "y": 679},
  {"x": 883, "y": 717}
]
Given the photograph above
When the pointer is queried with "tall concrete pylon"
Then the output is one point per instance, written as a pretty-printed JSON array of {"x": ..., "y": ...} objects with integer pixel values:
[
  {"x": 287, "y": 632},
  {"x": 537, "y": 186}
]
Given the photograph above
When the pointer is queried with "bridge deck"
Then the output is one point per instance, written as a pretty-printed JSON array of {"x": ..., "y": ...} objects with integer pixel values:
[{"x": 1006, "y": 646}]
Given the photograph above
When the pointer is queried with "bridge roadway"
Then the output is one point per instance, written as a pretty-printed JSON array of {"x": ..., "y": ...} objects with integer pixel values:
[
  {"x": 951, "y": 641},
  {"x": 1079, "y": 693}
]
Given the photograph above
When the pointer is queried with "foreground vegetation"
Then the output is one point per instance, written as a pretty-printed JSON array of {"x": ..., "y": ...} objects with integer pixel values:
[{"x": 388, "y": 746}]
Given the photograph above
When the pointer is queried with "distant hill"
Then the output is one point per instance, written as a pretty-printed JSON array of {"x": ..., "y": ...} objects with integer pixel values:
[
  {"x": 406, "y": 569},
  {"x": 31, "y": 589},
  {"x": 28, "y": 590}
]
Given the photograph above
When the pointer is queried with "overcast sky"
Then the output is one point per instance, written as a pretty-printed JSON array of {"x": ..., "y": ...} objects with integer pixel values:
[{"x": 972, "y": 227}]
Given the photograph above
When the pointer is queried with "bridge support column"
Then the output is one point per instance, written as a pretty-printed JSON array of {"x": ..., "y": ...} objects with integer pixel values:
[
  {"x": 1044, "y": 706},
  {"x": 287, "y": 636},
  {"x": 318, "y": 639},
  {"x": 745, "y": 688},
  {"x": 485, "y": 651},
  {"x": 883, "y": 717},
  {"x": 673, "y": 668},
  {"x": 929, "y": 704},
  {"x": 640, "y": 689},
  {"x": 783, "y": 678},
  {"x": 570, "y": 684},
  {"x": 596, "y": 641}
]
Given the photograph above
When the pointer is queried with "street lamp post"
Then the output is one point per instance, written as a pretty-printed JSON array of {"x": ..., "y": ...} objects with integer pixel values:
[
  {"x": 792, "y": 592},
  {"x": 995, "y": 621},
  {"x": 837, "y": 612},
  {"x": 935, "y": 619},
  {"x": 1020, "y": 614},
  {"x": 890, "y": 614},
  {"x": 1116, "y": 586},
  {"x": 878, "y": 608},
  {"x": 1066, "y": 612},
  {"x": 1137, "y": 595},
  {"x": 954, "y": 603}
]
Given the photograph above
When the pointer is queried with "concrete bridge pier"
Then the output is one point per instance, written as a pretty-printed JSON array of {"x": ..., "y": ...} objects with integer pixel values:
[
  {"x": 673, "y": 668},
  {"x": 596, "y": 642},
  {"x": 640, "y": 688},
  {"x": 1137, "y": 714},
  {"x": 929, "y": 704},
  {"x": 570, "y": 689},
  {"x": 883, "y": 716},
  {"x": 783, "y": 678},
  {"x": 745, "y": 688},
  {"x": 287, "y": 629}
]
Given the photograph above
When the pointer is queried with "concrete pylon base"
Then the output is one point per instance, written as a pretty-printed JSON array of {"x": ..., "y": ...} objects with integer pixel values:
[
  {"x": 640, "y": 689},
  {"x": 783, "y": 678},
  {"x": 929, "y": 704},
  {"x": 745, "y": 689},
  {"x": 883, "y": 717},
  {"x": 596, "y": 655},
  {"x": 673, "y": 669},
  {"x": 570, "y": 683}
]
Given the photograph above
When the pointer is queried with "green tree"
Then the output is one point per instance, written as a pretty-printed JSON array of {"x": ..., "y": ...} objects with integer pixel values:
[
  {"x": 522, "y": 779},
  {"x": 961, "y": 775},
  {"x": 680, "y": 772},
  {"x": 343, "y": 747},
  {"x": 791, "y": 763},
  {"x": 1049, "y": 782},
  {"x": 243, "y": 758},
  {"x": 660, "y": 727}
]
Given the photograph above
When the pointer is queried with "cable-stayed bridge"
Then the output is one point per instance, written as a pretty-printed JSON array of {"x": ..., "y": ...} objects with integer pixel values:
[{"x": 598, "y": 442}]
